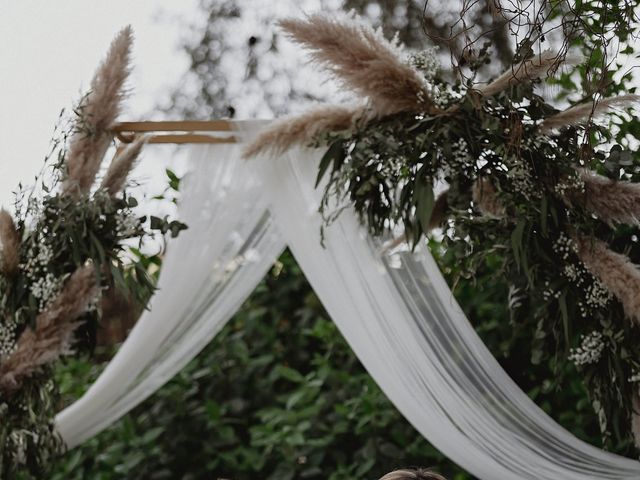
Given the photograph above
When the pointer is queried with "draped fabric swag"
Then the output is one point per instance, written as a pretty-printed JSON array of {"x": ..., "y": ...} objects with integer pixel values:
[{"x": 393, "y": 307}]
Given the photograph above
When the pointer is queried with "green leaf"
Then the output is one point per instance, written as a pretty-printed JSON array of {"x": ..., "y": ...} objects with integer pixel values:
[
  {"x": 335, "y": 154},
  {"x": 516, "y": 242},
  {"x": 156, "y": 223},
  {"x": 564, "y": 313},
  {"x": 289, "y": 373},
  {"x": 425, "y": 201}
]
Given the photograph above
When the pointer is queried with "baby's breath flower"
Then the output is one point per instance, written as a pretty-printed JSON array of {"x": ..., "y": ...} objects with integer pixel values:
[{"x": 589, "y": 351}]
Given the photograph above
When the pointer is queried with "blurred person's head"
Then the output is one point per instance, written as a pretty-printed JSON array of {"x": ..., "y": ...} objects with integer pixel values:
[{"x": 412, "y": 474}]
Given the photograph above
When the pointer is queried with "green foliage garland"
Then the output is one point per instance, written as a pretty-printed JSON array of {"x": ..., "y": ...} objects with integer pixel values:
[{"x": 515, "y": 194}]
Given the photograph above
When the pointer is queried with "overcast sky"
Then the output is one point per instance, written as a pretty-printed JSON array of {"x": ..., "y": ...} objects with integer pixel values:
[{"x": 48, "y": 52}]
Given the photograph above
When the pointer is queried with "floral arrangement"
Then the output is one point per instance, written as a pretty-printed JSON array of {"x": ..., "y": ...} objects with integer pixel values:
[
  {"x": 61, "y": 253},
  {"x": 537, "y": 188}
]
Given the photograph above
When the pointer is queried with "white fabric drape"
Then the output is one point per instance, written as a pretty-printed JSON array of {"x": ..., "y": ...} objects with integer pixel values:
[
  {"x": 395, "y": 310},
  {"x": 208, "y": 272},
  {"x": 403, "y": 323}
]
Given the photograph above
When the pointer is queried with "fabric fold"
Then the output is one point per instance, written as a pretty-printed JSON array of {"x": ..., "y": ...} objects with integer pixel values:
[
  {"x": 209, "y": 270},
  {"x": 399, "y": 316}
]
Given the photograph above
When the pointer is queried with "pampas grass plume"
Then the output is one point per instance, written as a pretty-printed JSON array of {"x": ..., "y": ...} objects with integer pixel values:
[
  {"x": 116, "y": 176},
  {"x": 486, "y": 198},
  {"x": 613, "y": 202},
  {"x": 53, "y": 335},
  {"x": 97, "y": 113},
  {"x": 305, "y": 128},
  {"x": 582, "y": 113},
  {"x": 9, "y": 244},
  {"x": 530, "y": 69},
  {"x": 363, "y": 60},
  {"x": 616, "y": 272}
]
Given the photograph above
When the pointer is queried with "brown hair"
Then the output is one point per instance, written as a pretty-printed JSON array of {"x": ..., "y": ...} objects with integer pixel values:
[{"x": 412, "y": 474}]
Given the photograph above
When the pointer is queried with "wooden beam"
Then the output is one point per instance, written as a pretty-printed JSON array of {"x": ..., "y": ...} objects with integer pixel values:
[
  {"x": 127, "y": 131},
  {"x": 175, "y": 126},
  {"x": 190, "y": 138}
]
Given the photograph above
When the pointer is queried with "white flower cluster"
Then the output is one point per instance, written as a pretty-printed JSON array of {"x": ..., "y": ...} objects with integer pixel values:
[
  {"x": 45, "y": 288},
  {"x": 460, "y": 161},
  {"x": 126, "y": 225},
  {"x": 635, "y": 377},
  {"x": 8, "y": 336},
  {"x": 564, "y": 246},
  {"x": 548, "y": 293},
  {"x": 37, "y": 262},
  {"x": 45, "y": 285},
  {"x": 597, "y": 295},
  {"x": 520, "y": 176},
  {"x": 572, "y": 272},
  {"x": 426, "y": 62},
  {"x": 589, "y": 351},
  {"x": 572, "y": 184}
]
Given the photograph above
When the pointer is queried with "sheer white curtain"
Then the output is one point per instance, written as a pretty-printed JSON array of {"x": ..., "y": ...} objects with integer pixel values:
[
  {"x": 394, "y": 309},
  {"x": 208, "y": 272},
  {"x": 401, "y": 320}
]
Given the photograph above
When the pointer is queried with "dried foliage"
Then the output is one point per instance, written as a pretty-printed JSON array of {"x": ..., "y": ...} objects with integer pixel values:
[
  {"x": 9, "y": 244},
  {"x": 79, "y": 291},
  {"x": 363, "y": 60},
  {"x": 538, "y": 66},
  {"x": 66, "y": 245},
  {"x": 124, "y": 161},
  {"x": 513, "y": 188},
  {"x": 613, "y": 201},
  {"x": 305, "y": 128},
  {"x": 97, "y": 112},
  {"x": 584, "y": 113},
  {"x": 53, "y": 334},
  {"x": 615, "y": 271},
  {"x": 486, "y": 198}
]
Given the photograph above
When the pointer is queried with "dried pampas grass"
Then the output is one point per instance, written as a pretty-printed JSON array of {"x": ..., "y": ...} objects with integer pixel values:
[
  {"x": 616, "y": 272},
  {"x": 9, "y": 244},
  {"x": 121, "y": 165},
  {"x": 35, "y": 349},
  {"x": 613, "y": 202},
  {"x": 584, "y": 112},
  {"x": 79, "y": 290},
  {"x": 363, "y": 60},
  {"x": 306, "y": 128},
  {"x": 535, "y": 67},
  {"x": 97, "y": 112},
  {"x": 53, "y": 335},
  {"x": 486, "y": 198}
]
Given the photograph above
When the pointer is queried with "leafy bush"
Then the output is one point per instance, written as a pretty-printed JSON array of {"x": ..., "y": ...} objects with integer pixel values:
[{"x": 279, "y": 394}]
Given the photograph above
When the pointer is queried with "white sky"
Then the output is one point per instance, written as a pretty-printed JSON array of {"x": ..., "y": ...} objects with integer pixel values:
[{"x": 48, "y": 52}]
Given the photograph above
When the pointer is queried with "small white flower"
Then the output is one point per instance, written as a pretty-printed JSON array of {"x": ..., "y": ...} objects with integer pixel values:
[
  {"x": 8, "y": 336},
  {"x": 589, "y": 351},
  {"x": 127, "y": 225},
  {"x": 45, "y": 288},
  {"x": 635, "y": 377}
]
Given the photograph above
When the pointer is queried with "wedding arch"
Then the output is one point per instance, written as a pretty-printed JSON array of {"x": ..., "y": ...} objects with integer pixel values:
[
  {"x": 334, "y": 185},
  {"x": 392, "y": 306}
]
